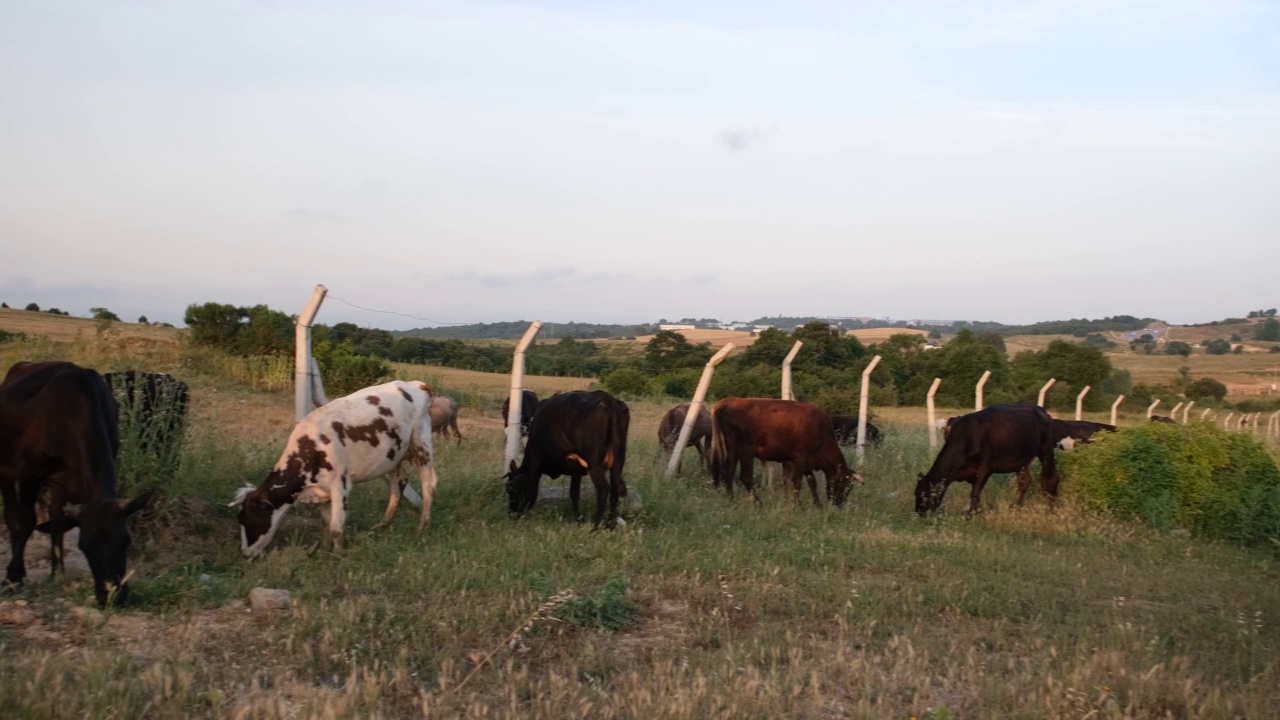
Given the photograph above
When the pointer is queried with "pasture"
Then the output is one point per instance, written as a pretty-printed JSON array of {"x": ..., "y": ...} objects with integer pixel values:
[{"x": 700, "y": 607}]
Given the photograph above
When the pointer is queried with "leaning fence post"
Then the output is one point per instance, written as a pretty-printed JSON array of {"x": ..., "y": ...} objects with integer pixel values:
[
  {"x": 1152, "y": 407},
  {"x": 1186, "y": 411},
  {"x": 1080, "y": 403},
  {"x": 928, "y": 402},
  {"x": 1205, "y": 414},
  {"x": 1115, "y": 405},
  {"x": 1045, "y": 389},
  {"x": 695, "y": 407},
  {"x": 787, "y": 394},
  {"x": 515, "y": 407},
  {"x": 977, "y": 390},
  {"x": 318, "y": 396},
  {"x": 1226, "y": 422},
  {"x": 1275, "y": 418},
  {"x": 302, "y": 399},
  {"x": 863, "y": 399},
  {"x": 1173, "y": 414}
]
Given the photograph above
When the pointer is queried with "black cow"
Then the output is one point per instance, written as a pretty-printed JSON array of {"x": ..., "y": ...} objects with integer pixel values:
[
  {"x": 154, "y": 407},
  {"x": 1067, "y": 433},
  {"x": 998, "y": 439},
  {"x": 528, "y": 406},
  {"x": 699, "y": 434},
  {"x": 59, "y": 436},
  {"x": 1163, "y": 419},
  {"x": 574, "y": 433},
  {"x": 846, "y": 430}
]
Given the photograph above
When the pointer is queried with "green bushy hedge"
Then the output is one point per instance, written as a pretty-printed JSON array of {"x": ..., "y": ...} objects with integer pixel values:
[{"x": 1198, "y": 477}]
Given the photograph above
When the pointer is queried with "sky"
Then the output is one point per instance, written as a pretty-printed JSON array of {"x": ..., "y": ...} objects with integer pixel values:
[{"x": 459, "y": 162}]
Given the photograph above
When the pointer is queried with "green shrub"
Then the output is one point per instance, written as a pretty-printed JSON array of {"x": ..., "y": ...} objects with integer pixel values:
[
  {"x": 626, "y": 381},
  {"x": 345, "y": 372},
  {"x": 607, "y": 608},
  {"x": 1201, "y": 478}
]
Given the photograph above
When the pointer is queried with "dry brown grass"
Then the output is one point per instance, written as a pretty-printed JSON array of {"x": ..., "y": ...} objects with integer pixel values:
[
  {"x": 60, "y": 327},
  {"x": 1244, "y": 374},
  {"x": 717, "y": 338},
  {"x": 875, "y": 335},
  {"x": 1199, "y": 334}
]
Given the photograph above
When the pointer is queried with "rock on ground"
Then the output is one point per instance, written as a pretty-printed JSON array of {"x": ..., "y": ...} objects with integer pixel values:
[{"x": 261, "y": 598}]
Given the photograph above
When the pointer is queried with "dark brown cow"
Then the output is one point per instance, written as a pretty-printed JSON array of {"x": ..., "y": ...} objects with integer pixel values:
[
  {"x": 998, "y": 439},
  {"x": 1163, "y": 419},
  {"x": 1068, "y": 433},
  {"x": 59, "y": 436},
  {"x": 444, "y": 417},
  {"x": 574, "y": 433},
  {"x": 797, "y": 434},
  {"x": 699, "y": 435},
  {"x": 846, "y": 429},
  {"x": 528, "y": 406}
]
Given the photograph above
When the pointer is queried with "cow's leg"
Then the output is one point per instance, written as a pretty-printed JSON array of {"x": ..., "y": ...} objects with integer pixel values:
[
  {"x": 396, "y": 483},
  {"x": 456, "y": 432},
  {"x": 336, "y": 516},
  {"x": 702, "y": 452},
  {"x": 813, "y": 487},
  {"x": 979, "y": 482},
  {"x": 602, "y": 496},
  {"x": 1049, "y": 477},
  {"x": 1024, "y": 482},
  {"x": 429, "y": 479},
  {"x": 748, "y": 466},
  {"x": 56, "y": 551},
  {"x": 22, "y": 522},
  {"x": 575, "y": 488}
]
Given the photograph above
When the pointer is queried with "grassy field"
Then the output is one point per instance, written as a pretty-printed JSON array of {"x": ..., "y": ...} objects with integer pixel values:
[
  {"x": 61, "y": 327},
  {"x": 717, "y": 338},
  {"x": 1244, "y": 374},
  {"x": 875, "y": 335},
  {"x": 700, "y": 607}
]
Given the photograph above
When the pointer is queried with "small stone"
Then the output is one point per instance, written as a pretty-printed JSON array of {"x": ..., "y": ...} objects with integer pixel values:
[
  {"x": 622, "y": 523},
  {"x": 87, "y": 615},
  {"x": 235, "y": 605},
  {"x": 205, "y": 577},
  {"x": 269, "y": 599},
  {"x": 17, "y": 613},
  {"x": 1180, "y": 532}
]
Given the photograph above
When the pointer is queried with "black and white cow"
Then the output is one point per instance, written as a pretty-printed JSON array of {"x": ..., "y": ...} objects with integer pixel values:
[{"x": 356, "y": 438}]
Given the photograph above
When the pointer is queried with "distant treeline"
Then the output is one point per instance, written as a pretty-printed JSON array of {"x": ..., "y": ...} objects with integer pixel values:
[
  {"x": 1079, "y": 327},
  {"x": 515, "y": 330}
]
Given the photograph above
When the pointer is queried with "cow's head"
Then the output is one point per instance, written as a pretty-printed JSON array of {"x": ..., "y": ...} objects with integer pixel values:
[
  {"x": 520, "y": 492},
  {"x": 259, "y": 519},
  {"x": 104, "y": 540},
  {"x": 928, "y": 494},
  {"x": 842, "y": 485}
]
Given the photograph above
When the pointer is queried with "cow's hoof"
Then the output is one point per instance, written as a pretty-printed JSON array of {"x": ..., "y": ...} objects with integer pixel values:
[{"x": 11, "y": 587}]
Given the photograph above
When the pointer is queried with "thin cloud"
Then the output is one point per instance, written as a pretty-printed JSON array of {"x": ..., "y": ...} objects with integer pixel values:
[
  {"x": 538, "y": 277},
  {"x": 738, "y": 139}
]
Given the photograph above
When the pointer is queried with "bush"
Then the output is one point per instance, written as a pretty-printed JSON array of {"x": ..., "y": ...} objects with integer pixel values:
[
  {"x": 1177, "y": 347},
  {"x": 1201, "y": 478},
  {"x": 344, "y": 372},
  {"x": 1217, "y": 346},
  {"x": 1206, "y": 388},
  {"x": 32, "y": 307},
  {"x": 626, "y": 381}
]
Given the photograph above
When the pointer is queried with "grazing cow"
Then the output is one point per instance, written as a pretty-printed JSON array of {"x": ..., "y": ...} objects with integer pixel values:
[
  {"x": 846, "y": 430},
  {"x": 444, "y": 417},
  {"x": 797, "y": 434},
  {"x": 1066, "y": 434},
  {"x": 574, "y": 433},
  {"x": 155, "y": 404},
  {"x": 1163, "y": 419},
  {"x": 699, "y": 434},
  {"x": 998, "y": 439},
  {"x": 362, "y": 436},
  {"x": 528, "y": 405},
  {"x": 59, "y": 436}
]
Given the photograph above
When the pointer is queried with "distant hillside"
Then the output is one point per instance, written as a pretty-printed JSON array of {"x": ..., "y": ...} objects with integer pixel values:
[
  {"x": 1119, "y": 323},
  {"x": 515, "y": 330}
]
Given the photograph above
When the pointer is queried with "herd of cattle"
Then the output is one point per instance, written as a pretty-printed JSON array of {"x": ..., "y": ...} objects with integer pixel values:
[{"x": 59, "y": 437}]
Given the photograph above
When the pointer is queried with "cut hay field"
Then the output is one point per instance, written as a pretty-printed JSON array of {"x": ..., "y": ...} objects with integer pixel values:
[
  {"x": 717, "y": 338},
  {"x": 61, "y": 327},
  {"x": 1199, "y": 334},
  {"x": 700, "y": 607},
  {"x": 875, "y": 335},
  {"x": 1245, "y": 374}
]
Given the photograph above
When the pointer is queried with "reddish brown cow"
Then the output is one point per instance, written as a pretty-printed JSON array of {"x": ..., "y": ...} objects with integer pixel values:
[{"x": 783, "y": 431}]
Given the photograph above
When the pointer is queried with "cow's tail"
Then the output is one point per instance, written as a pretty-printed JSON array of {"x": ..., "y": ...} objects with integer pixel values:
[
  {"x": 719, "y": 453},
  {"x": 619, "y": 425}
]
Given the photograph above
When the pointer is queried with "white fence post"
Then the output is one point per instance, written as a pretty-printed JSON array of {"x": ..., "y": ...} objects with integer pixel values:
[
  {"x": 318, "y": 396},
  {"x": 1254, "y": 424},
  {"x": 302, "y": 398},
  {"x": 1080, "y": 403},
  {"x": 1205, "y": 414},
  {"x": 1152, "y": 407},
  {"x": 1114, "y": 406},
  {"x": 1045, "y": 389},
  {"x": 1186, "y": 411},
  {"x": 695, "y": 407},
  {"x": 1226, "y": 422},
  {"x": 787, "y": 394},
  {"x": 928, "y": 402},
  {"x": 863, "y": 400},
  {"x": 977, "y": 390},
  {"x": 1173, "y": 414},
  {"x": 1275, "y": 418},
  {"x": 515, "y": 406}
]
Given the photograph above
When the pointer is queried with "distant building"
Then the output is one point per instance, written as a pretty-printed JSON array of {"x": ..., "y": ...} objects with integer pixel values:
[{"x": 677, "y": 327}]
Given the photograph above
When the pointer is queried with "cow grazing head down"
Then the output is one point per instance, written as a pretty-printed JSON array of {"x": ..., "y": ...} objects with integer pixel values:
[
  {"x": 928, "y": 495},
  {"x": 258, "y": 519},
  {"x": 104, "y": 540},
  {"x": 520, "y": 494}
]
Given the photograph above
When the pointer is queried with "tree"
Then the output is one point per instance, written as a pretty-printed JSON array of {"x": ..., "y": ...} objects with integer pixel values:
[
  {"x": 142, "y": 320},
  {"x": 32, "y": 307},
  {"x": 769, "y": 349},
  {"x": 215, "y": 324},
  {"x": 1177, "y": 347},
  {"x": 1206, "y": 388},
  {"x": 1235, "y": 337},
  {"x": 669, "y": 349},
  {"x": 4, "y": 305},
  {"x": 935, "y": 334},
  {"x": 1217, "y": 346},
  {"x": 1239, "y": 349},
  {"x": 100, "y": 313},
  {"x": 1268, "y": 330},
  {"x": 826, "y": 346},
  {"x": 992, "y": 338}
]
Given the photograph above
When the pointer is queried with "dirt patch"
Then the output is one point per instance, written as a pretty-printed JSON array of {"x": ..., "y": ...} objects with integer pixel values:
[{"x": 664, "y": 628}]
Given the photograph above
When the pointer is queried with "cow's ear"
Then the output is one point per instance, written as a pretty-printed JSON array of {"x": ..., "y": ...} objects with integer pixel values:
[
  {"x": 137, "y": 503},
  {"x": 59, "y": 525}
]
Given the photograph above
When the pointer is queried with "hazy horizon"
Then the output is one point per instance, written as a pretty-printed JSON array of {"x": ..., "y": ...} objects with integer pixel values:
[{"x": 559, "y": 160}]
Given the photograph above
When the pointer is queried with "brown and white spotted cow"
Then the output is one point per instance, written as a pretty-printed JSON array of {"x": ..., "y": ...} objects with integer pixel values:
[{"x": 362, "y": 436}]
